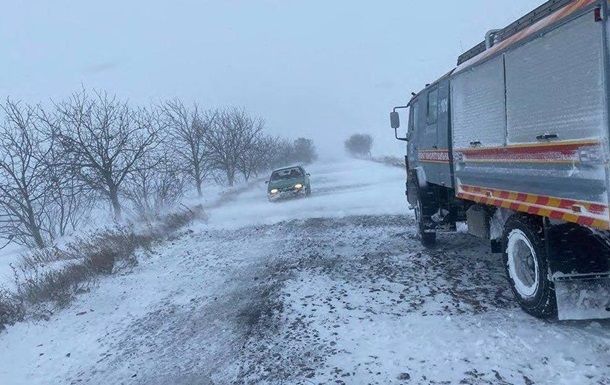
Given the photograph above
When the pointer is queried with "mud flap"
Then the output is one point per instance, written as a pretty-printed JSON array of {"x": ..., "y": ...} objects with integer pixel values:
[
  {"x": 580, "y": 271},
  {"x": 582, "y": 298}
]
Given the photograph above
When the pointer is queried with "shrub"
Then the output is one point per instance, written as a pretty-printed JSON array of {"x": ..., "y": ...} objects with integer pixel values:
[
  {"x": 359, "y": 145},
  {"x": 36, "y": 286},
  {"x": 11, "y": 309},
  {"x": 304, "y": 151},
  {"x": 106, "y": 252}
]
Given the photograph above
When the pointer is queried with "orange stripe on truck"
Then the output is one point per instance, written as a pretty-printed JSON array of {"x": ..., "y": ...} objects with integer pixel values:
[{"x": 591, "y": 214}]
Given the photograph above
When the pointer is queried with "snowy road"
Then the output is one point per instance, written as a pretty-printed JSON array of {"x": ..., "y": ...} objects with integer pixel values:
[{"x": 334, "y": 289}]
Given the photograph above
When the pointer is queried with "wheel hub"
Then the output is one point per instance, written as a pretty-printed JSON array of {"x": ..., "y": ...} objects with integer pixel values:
[{"x": 522, "y": 264}]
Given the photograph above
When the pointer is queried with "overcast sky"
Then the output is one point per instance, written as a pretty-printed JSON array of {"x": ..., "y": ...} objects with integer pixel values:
[{"x": 314, "y": 68}]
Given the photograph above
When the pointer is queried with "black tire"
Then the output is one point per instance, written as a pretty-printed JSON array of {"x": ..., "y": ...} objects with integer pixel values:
[
  {"x": 424, "y": 209},
  {"x": 527, "y": 266}
]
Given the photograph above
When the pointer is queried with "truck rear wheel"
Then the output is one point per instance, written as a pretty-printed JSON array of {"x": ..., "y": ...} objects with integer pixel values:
[
  {"x": 423, "y": 211},
  {"x": 526, "y": 264}
]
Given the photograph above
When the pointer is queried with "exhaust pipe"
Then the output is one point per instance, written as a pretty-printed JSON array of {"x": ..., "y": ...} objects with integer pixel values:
[{"x": 490, "y": 38}]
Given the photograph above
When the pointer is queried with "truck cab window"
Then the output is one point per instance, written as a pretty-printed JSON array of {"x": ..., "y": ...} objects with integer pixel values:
[{"x": 432, "y": 108}]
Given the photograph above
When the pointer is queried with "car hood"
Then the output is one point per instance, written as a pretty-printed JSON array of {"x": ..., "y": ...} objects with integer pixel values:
[{"x": 286, "y": 183}]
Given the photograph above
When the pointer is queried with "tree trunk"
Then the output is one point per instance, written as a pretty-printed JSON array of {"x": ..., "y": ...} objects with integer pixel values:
[
  {"x": 35, "y": 230},
  {"x": 198, "y": 184},
  {"x": 38, "y": 240},
  {"x": 231, "y": 177},
  {"x": 116, "y": 205},
  {"x": 198, "y": 179}
]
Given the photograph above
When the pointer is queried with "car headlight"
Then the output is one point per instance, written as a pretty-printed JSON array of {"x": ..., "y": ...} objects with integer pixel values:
[
  {"x": 274, "y": 191},
  {"x": 298, "y": 186}
]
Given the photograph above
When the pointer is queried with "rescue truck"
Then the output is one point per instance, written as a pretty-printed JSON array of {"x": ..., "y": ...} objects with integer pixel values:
[{"x": 514, "y": 142}]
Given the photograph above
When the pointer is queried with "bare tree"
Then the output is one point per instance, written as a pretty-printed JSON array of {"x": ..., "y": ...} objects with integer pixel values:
[
  {"x": 156, "y": 185},
  {"x": 230, "y": 141},
  {"x": 105, "y": 140},
  {"x": 282, "y": 153},
  {"x": 72, "y": 200},
  {"x": 25, "y": 191},
  {"x": 254, "y": 157},
  {"x": 359, "y": 145},
  {"x": 304, "y": 151},
  {"x": 267, "y": 152},
  {"x": 188, "y": 128}
]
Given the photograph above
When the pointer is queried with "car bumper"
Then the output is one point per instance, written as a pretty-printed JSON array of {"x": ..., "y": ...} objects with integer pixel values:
[{"x": 286, "y": 194}]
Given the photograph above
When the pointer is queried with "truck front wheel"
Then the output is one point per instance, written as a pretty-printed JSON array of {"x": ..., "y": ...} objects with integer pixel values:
[
  {"x": 423, "y": 211},
  {"x": 526, "y": 265}
]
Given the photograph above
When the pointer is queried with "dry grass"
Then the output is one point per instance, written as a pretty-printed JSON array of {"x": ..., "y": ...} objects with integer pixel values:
[
  {"x": 39, "y": 283},
  {"x": 56, "y": 286},
  {"x": 41, "y": 257}
]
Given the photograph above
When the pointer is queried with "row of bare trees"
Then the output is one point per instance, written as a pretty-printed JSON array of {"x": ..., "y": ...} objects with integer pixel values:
[{"x": 58, "y": 162}]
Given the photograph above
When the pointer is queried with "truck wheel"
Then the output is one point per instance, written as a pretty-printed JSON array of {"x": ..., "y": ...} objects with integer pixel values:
[
  {"x": 526, "y": 264},
  {"x": 423, "y": 210}
]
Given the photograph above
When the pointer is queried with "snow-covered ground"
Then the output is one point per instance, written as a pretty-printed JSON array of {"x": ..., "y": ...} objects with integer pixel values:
[
  {"x": 330, "y": 289},
  {"x": 12, "y": 255},
  {"x": 338, "y": 189}
]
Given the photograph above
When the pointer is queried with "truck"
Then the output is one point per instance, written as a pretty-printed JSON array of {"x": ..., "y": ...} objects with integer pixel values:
[{"x": 514, "y": 142}]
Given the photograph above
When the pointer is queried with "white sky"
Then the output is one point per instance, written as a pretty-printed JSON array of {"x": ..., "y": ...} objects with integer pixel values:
[{"x": 314, "y": 68}]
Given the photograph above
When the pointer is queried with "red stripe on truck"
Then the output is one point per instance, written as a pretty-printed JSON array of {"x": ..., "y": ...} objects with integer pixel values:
[
  {"x": 591, "y": 214},
  {"x": 567, "y": 152}
]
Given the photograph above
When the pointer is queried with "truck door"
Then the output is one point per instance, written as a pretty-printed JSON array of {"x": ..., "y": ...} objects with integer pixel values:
[
  {"x": 443, "y": 141},
  {"x": 429, "y": 134},
  {"x": 430, "y": 156},
  {"x": 412, "y": 135}
]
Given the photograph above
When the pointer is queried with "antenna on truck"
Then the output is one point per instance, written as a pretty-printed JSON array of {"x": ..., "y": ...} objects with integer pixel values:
[{"x": 497, "y": 35}]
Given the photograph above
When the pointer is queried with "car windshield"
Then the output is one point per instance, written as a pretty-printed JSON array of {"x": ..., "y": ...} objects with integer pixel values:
[{"x": 290, "y": 173}]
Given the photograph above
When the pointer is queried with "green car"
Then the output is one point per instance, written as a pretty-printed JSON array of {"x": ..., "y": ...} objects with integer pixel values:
[{"x": 288, "y": 182}]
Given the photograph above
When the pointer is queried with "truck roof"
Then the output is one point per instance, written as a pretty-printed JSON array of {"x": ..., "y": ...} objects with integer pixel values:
[
  {"x": 547, "y": 14},
  {"x": 518, "y": 25},
  {"x": 540, "y": 18}
]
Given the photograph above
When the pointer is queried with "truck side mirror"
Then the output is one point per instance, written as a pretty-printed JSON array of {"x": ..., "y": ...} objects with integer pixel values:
[{"x": 394, "y": 120}]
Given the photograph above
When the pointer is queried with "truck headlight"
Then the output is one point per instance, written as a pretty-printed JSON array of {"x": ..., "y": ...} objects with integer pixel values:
[
  {"x": 274, "y": 191},
  {"x": 298, "y": 186}
]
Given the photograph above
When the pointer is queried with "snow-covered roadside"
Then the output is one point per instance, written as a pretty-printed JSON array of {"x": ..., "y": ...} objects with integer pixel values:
[
  {"x": 38, "y": 283},
  {"x": 12, "y": 255}
]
